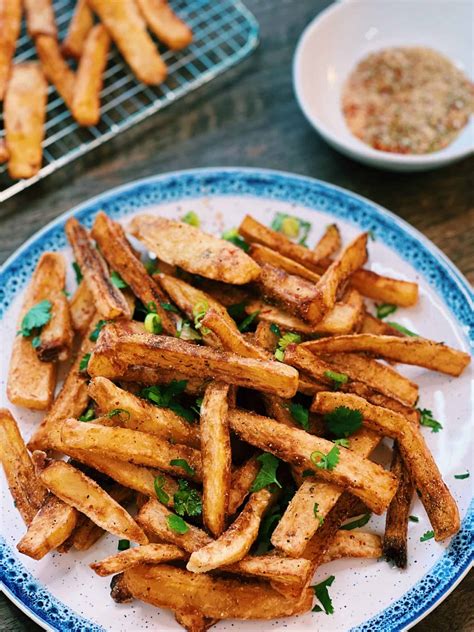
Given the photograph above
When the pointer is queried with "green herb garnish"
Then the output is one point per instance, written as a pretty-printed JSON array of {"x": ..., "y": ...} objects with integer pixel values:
[
  {"x": 153, "y": 324},
  {"x": 118, "y": 411},
  {"x": 267, "y": 473},
  {"x": 183, "y": 464},
  {"x": 77, "y": 272},
  {"x": 287, "y": 339},
  {"x": 385, "y": 309},
  {"x": 402, "y": 329},
  {"x": 233, "y": 236},
  {"x": 275, "y": 330},
  {"x": 158, "y": 484},
  {"x": 237, "y": 311},
  {"x": 343, "y": 421},
  {"x": 97, "y": 329},
  {"x": 321, "y": 593},
  {"x": 35, "y": 318},
  {"x": 192, "y": 219},
  {"x": 185, "y": 331},
  {"x": 169, "y": 308},
  {"x": 461, "y": 477},
  {"x": 413, "y": 519},
  {"x": 177, "y": 524},
  {"x": 35, "y": 342},
  {"x": 247, "y": 322},
  {"x": 355, "y": 524},
  {"x": 316, "y": 514},
  {"x": 343, "y": 442},
  {"x": 117, "y": 280},
  {"x": 123, "y": 545},
  {"x": 199, "y": 311},
  {"x": 337, "y": 378},
  {"x": 89, "y": 415},
  {"x": 291, "y": 227},
  {"x": 427, "y": 536},
  {"x": 326, "y": 461},
  {"x": 152, "y": 266},
  {"x": 163, "y": 397},
  {"x": 187, "y": 501},
  {"x": 84, "y": 362},
  {"x": 300, "y": 414},
  {"x": 426, "y": 419}
]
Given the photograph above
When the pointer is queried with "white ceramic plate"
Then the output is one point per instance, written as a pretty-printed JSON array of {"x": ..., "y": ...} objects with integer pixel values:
[{"x": 62, "y": 593}]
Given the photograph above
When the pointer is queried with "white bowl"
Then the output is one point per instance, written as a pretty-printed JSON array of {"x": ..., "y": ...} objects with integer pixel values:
[{"x": 343, "y": 34}]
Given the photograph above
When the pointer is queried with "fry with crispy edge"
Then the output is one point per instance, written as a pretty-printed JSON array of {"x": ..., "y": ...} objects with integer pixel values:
[
  {"x": 110, "y": 302},
  {"x": 10, "y": 24},
  {"x": 89, "y": 77},
  {"x": 82, "y": 308},
  {"x": 435, "y": 496},
  {"x": 78, "y": 490},
  {"x": 193, "y": 621},
  {"x": 147, "y": 554},
  {"x": 81, "y": 23},
  {"x": 57, "y": 336},
  {"x": 242, "y": 478},
  {"x": 128, "y": 30},
  {"x": 165, "y": 24},
  {"x": 385, "y": 289},
  {"x": 230, "y": 337},
  {"x": 235, "y": 542},
  {"x": 40, "y": 18},
  {"x": 329, "y": 243},
  {"x": 263, "y": 255},
  {"x": 193, "y": 250},
  {"x": 117, "y": 251},
  {"x": 371, "y": 325},
  {"x": 353, "y": 544},
  {"x": 55, "y": 67}
]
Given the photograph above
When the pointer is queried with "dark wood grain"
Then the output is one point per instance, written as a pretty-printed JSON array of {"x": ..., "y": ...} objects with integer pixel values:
[{"x": 249, "y": 117}]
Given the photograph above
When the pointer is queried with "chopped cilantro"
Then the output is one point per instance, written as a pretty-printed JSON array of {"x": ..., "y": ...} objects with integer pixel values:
[
  {"x": 237, "y": 311},
  {"x": 158, "y": 484},
  {"x": 183, "y": 464},
  {"x": 197, "y": 405},
  {"x": 187, "y": 501},
  {"x": 413, "y": 519},
  {"x": 306, "y": 473},
  {"x": 77, "y": 272},
  {"x": 385, "y": 309},
  {"x": 169, "y": 308},
  {"x": 321, "y": 593},
  {"x": 233, "y": 236},
  {"x": 300, "y": 414},
  {"x": 247, "y": 322},
  {"x": 427, "y": 536},
  {"x": 117, "y": 280},
  {"x": 287, "y": 339},
  {"x": 84, "y": 362},
  {"x": 38, "y": 316},
  {"x": 267, "y": 473},
  {"x": 177, "y": 524},
  {"x": 275, "y": 330},
  {"x": 118, "y": 411},
  {"x": 267, "y": 527},
  {"x": 343, "y": 442},
  {"x": 192, "y": 219},
  {"x": 123, "y": 545},
  {"x": 326, "y": 461},
  {"x": 199, "y": 311},
  {"x": 291, "y": 227},
  {"x": 426, "y": 419},
  {"x": 153, "y": 324},
  {"x": 401, "y": 329},
  {"x": 343, "y": 421},
  {"x": 316, "y": 514},
  {"x": 337, "y": 378},
  {"x": 35, "y": 342},
  {"x": 152, "y": 266},
  {"x": 163, "y": 397},
  {"x": 95, "y": 334},
  {"x": 89, "y": 415},
  {"x": 355, "y": 524},
  {"x": 462, "y": 476}
]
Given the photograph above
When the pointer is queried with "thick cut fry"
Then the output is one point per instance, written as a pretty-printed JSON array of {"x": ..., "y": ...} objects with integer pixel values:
[
  {"x": 235, "y": 543},
  {"x": 435, "y": 496},
  {"x": 82, "y": 308},
  {"x": 230, "y": 337},
  {"x": 24, "y": 113},
  {"x": 81, "y": 23},
  {"x": 385, "y": 289},
  {"x": 271, "y": 566},
  {"x": 110, "y": 302},
  {"x": 118, "y": 590},
  {"x": 372, "y": 325},
  {"x": 117, "y": 251},
  {"x": 395, "y": 545},
  {"x": 52, "y": 525},
  {"x": 147, "y": 554},
  {"x": 131, "y": 446},
  {"x": 89, "y": 77},
  {"x": 165, "y": 24},
  {"x": 354, "y": 544},
  {"x": 193, "y": 621},
  {"x": 263, "y": 255},
  {"x": 40, "y": 18},
  {"x": 27, "y": 491},
  {"x": 216, "y": 456},
  {"x": 366, "y": 480},
  {"x": 55, "y": 67},
  {"x": 329, "y": 243},
  {"x": 10, "y": 23},
  {"x": 56, "y": 337},
  {"x": 188, "y": 247},
  {"x": 241, "y": 482},
  {"x": 78, "y": 490},
  {"x": 169, "y": 587},
  {"x": 137, "y": 414},
  {"x": 4, "y": 154},
  {"x": 128, "y": 30}
]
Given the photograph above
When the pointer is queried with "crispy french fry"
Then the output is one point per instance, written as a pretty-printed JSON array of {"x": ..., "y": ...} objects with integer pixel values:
[
  {"x": 27, "y": 491},
  {"x": 354, "y": 544},
  {"x": 118, "y": 590},
  {"x": 418, "y": 351},
  {"x": 263, "y": 255},
  {"x": 147, "y": 554},
  {"x": 230, "y": 337},
  {"x": 265, "y": 337},
  {"x": 109, "y": 301},
  {"x": 145, "y": 375},
  {"x": 165, "y": 24},
  {"x": 10, "y": 23},
  {"x": 89, "y": 78},
  {"x": 127, "y": 29},
  {"x": 55, "y": 67},
  {"x": 271, "y": 566},
  {"x": 24, "y": 113},
  {"x": 241, "y": 482},
  {"x": 78, "y": 490},
  {"x": 82, "y": 308},
  {"x": 366, "y": 480},
  {"x": 4, "y": 154},
  {"x": 224, "y": 293},
  {"x": 385, "y": 289},
  {"x": 81, "y": 23},
  {"x": 188, "y": 247},
  {"x": 372, "y": 325},
  {"x": 378, "y": 399},
  {"x": 193, "y": 621},
  {"x": 235, "y": 543},
  {"x": 40, "y": 18},
  {"x": 329, "y": 243}
]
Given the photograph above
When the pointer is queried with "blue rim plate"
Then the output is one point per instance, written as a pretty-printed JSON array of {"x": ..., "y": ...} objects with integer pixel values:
[{"x": 439, "y": 273}]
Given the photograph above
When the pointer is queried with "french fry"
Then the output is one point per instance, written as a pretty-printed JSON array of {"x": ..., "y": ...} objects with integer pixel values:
[
  {"x": 188, "y": 247},
  {"x": 378, "y": 399},
  {"x": 418, "y": 351},
  {"x": 235, "y": 543},
  {"x": 271, "y": 566},
  {"x": 265, "y": 337},
  {"x": 10, "y": 24},
  {"x": 329, "y": 243},
  {"x": 385, "y": 289},
  {"x": 89, "y": 77},
  {"x": 193, "y": 621},
  {"x": 147, "y": 554},
  {"x": 24, "y": 113},
  {"x": 78, "y": 490},
  {"x": 132, "y": 446},
  {"x": 263, "y": 255},
  {"x": 165, "y": 24},
  {"x": 40, "y": 18},
  {"x": 241, "y": 482},
  {"x": 4, "y": 153},
  {"x": 372, "y": 325},
  {"x": 353, "y": 544},
  {"x": 81, "y": 23},
  {"x": 109, "y": 301},
  {"x": 127, "y": 29},
  {"x": 27, "y": 491},
  {"x": 366, "y": 480},
  {"x": 224, "y": 293},
  {"x": 145, "y": 375},
  {"x": 82, "y": 308},
  {"x": 118, "y": 590},
  {"x": 55, "y": 67},
  {"x": 230, "y": 337}
]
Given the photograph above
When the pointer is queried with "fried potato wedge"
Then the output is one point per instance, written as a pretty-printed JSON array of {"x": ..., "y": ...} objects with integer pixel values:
[
  {"x": 110, "y": 302},
  {"x": 81, "y": 23},
  {"x": 271, "y": 566},
  {"x": 418, "y": 351},
  {"x": 147, "y": 554},
  {"x": 10, "y": 24},
  {"x": 263, "y": 255},
  {"x": 230, "y": 337},
  {"x": 385, "y": 289},
  {"x": 78, "y": 490},
  {"x": 128, "y": 30},
  {"x": 236, "y": 542},
  {"x": 138, "y": 414},
  {"x": 40, "y": 18},
  {"x": 82, "y": 308},
  {"x": 329, "y": 243},
  {"x": 55, "y": 67},
  {"x": 165, "y": 24},
  {"x": 242, "y": 478},
  {"x": 189, "y": 248},
  {"x": 57, "y": 336},
  {"x": 366, "y": 480},
  {"x": 354, "y": 544}
]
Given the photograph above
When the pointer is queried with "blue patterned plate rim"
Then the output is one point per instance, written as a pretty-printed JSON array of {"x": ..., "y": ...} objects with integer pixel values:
[{"x": 20, "y": 585}]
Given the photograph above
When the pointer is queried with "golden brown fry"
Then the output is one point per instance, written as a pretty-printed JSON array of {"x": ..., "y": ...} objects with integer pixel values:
[
  {"x": 197, "y": 252},
  {"x": 10, "y": 23},
  {"x": 27, "y": 491},
  {"x": 24, "y": 113},
  {"x": 109, "y": 301},
  {"x": 385, "y": 289},
  {"x": 241, "y": 482},
  {"x": 55, "y": 67},
  {"x": 80, "y": 491},
  {"x": 89, "y": 78},
  {"x": 271, "y": 566},
  {"x": 165, "y": 24},
  {"x": 40, "y": 18},
  {"x": 230, "y": 337},
  {"x": 265, "y": 337},
  {"x": 418, "y": 351},
  {"x": 329, "y": 243},
  {"x": 193, "y": 621},
  {"x": 354, "y": 544},
  {"x": 82, "y": 308},
  {"x": 147, "y": 554},
  {"x": 372, "y": 325},
  {"x": 128, "y": 30},
  {"x": 224, "y": 293},
  {"x": 56, "y": 336},
  {"x": 81, "y": 23},
  {"x": 118, "y": 590},
  {"x": 4, "y": 154},
  {"x": 263, "y": 255}
]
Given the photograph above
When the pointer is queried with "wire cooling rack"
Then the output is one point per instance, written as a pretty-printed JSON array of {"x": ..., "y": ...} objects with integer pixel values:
[{"x": 224, "y": 33}]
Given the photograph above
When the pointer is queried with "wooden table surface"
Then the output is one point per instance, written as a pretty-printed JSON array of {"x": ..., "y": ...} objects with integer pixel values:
[{"x": 249, "y": 117}]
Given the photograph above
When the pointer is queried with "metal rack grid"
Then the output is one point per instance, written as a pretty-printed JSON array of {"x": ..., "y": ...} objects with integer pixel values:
[{"x": 224, "y": 33}]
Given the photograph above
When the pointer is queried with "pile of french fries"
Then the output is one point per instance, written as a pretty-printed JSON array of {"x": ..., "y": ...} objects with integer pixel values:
[
  {"x": 222, "y": 404},
  {"x": 94, "y": 24}
]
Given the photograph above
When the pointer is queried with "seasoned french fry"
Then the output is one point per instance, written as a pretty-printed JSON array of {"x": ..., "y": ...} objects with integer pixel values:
[
  {"x": 271, "y": 566},
  {"x": 230, "y": 337},
  {"x": 81, "y": 23},
  {"x": 241, "y": 482},
  {"x": 147, "y": 554},
  {"x": 89, "y": 78},
  {"x": 24, "y": 113},
  {"x": 188, "y": 247},
  {"x": 55, "y": 67},
  {"x": 353, "y": 544},
  {"x": 128, "y": 30},
  {"x": 56, "y": 337},
  {"x": 193, "y": 621},
  {"x": 372, "y": 325},
  {"x": 385, "y": 289},
  {"x": 27, "y": 491},
  {"x": 118, "y": 590},
  {"x": 109, "y": 301},
  {"x": 165, "y": 24},
  {"x": 82, "y": 308},
  {"x": 40, "y": 18},
  {"x": 263, "y": 255},
  {"x": 10, "y": 23},
  {"x": 418, "y": 351},
  {"x": 265, "y": 337},
  {"x": 329, "y": 243},
  {"x": 78, "y": 490}
]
